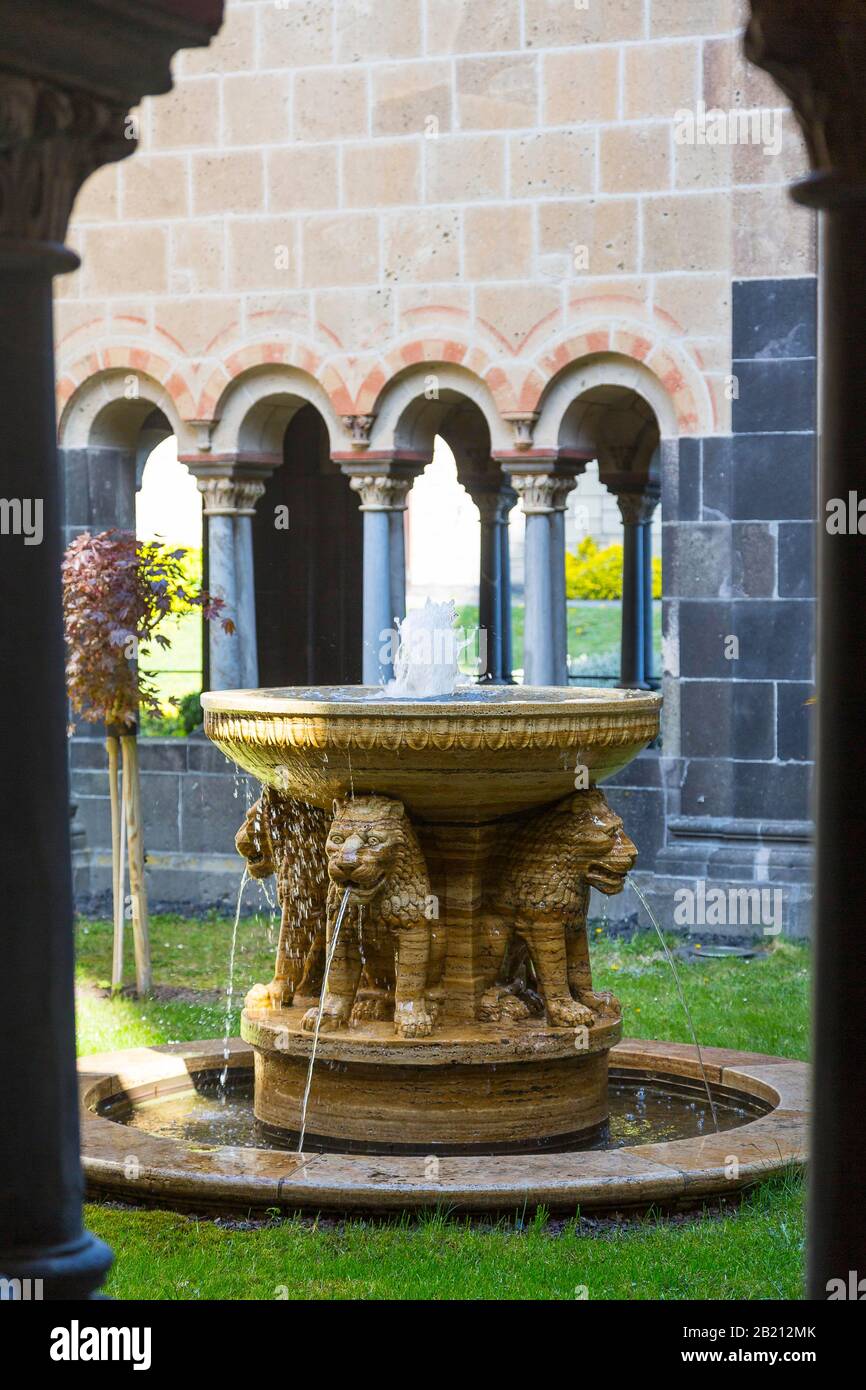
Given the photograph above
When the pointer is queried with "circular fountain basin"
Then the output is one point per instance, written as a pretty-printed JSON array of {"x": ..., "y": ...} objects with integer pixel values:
[
  {"x": 767, "y": 1095},
  {"x": 486, "y": 752}
]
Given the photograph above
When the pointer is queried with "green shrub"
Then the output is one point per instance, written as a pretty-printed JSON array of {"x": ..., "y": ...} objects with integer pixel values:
[{"x": 591, "y": 573}]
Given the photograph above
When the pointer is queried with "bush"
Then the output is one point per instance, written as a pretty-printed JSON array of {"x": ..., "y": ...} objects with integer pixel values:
[{"x": 591, "y": 573}]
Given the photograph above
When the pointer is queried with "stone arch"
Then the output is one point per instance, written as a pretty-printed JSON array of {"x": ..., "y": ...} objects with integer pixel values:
[
  {"x": 108, "y": 406},
  {"x": 408, "y": 415},
  {"x": 291, "y": 362},
  {"x": 632, "y": 357},
  {"x": 256, "y": 408}
]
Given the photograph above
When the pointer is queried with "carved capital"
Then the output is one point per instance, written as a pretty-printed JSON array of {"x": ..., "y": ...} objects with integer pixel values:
[
  {"x": 51, "y": 139},
  {"x": 230, "y": 496},
  {"x": 359, "y": 427},
  {"x": 381, "y": 493},
  {"x": 542, "y": 492},
  {"x": 494, "y": 504},
  {"x": 816, "y": 51},
  {"x": 637, "y": 508}
]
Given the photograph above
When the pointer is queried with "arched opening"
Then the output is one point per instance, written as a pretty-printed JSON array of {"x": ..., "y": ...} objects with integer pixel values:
[
  {"x": 457, "y": 537},
  {"x": 613, "y": 528},
  {"x": 168, "y": 509},
  {"x": 308, "y": 555}
]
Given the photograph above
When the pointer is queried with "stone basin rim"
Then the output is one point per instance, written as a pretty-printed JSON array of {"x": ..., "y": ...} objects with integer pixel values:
[
  {"x": 547, "y": 702},
  {"x": 667, "y": 1174}
]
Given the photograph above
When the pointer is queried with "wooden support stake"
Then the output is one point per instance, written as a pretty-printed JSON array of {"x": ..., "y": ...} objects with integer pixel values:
[
  {"x": 118, "y": 837},
  {"x": 137, "y": 890}
]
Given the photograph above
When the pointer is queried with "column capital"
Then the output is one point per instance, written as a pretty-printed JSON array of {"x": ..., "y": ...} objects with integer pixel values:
[
  {"x": 816, "y": 52},
  {"x": 381, "y": 492},
  {"x": 542, "y": 492},
  {"x": 51, "y": 139},
  {"x": 230, "y": 496},
  {"x": 636, "y": 504},
  {"x": 69, "y": 75}
]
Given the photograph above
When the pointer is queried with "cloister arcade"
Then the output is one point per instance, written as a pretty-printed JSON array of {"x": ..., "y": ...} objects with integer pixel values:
[{"x": 300, "y": 499}]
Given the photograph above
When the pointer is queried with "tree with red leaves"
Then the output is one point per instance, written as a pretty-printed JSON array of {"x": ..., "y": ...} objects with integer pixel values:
[{"x": 117, "y": 590}]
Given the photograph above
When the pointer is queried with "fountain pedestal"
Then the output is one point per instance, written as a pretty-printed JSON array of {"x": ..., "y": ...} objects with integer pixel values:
[
  {"x": 477, "y": 1088},
  {"x": 458, "y": 1015}
]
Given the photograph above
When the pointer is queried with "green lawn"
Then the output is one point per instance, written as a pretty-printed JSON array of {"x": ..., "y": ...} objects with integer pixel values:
[
  {"x": 754, "y": 1253},
  {"x": 593, "y": 635}
]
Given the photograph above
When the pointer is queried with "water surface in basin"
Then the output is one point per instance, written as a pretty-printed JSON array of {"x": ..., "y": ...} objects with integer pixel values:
[{"x": 641, "y": 1112}]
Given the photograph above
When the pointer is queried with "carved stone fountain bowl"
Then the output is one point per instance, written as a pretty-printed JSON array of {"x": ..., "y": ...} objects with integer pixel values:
[{"x": 486, "y": 752}]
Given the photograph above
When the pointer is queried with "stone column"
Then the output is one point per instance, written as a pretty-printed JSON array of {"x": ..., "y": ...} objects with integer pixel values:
[
  {"x": 817, "y": 54},
  {"x": 229, "y": 506},
  {"x": 494, "y": 501},
  {"x": 57, "y": 125},
  {"x": 557, "y": 579},
  {"x": 636, "y": 508},
  {"x": 509, "y": 500},
  {"x": 383, "y": 502},
  {"x": 538, "y": 493}
]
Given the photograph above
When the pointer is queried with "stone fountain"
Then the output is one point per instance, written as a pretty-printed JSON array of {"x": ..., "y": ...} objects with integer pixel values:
[{"x": 455, "y": 841}]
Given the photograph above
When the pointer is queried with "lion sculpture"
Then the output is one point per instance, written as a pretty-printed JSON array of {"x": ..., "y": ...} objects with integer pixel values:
[
  {"x": 386, "y": 936},
  {"x": 538, "y": 905}
]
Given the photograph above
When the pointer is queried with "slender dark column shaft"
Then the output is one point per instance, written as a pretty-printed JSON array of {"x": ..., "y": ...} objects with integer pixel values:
[
  {"x": 490, "y": 584},
  {"x": 837, "y": 1212},
  {"x": 505, "y": 590},
  {"x": 41, "y": 1234},
  {"x": 633, "y": 648}
]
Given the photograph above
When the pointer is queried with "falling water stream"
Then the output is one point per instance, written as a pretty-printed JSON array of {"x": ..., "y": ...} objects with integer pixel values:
[
  {"x": 686, "y": 1010},
  {"x": 231, "y": 985},
  {"x": 330, "y": 956}
]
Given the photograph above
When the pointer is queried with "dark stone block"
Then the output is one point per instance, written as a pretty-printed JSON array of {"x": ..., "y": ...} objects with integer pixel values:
[
  {"x": 644, "y": 771},
  {"x": 162, "y": 754},
  {"x": 775, "y": 639},
  {"x": 88, "y": 753},
  {"x": 775, "y": 318},
  {"x": 698, "y": 560},
  {"x": 205, "y": 757},
  {"x": 88, "y": 782},
  {"x": 781, "y": 791},
  {"x": 775, "y": 396},
  {"x": 160, "y": 798},
  {"x": 728, "y": 719},
  {"x": 753, "y": 560},
  {"x": 211, "y": 814},
  {"x": 795, "y": 720},
  {"x": 643, "y": 812},
  {"x": 99, "y": 488},
  {"x": 797, "y": 559},
  {"x": 689, "y": 501},
  {"x": 752, "y": 791},
  {"x": 94, "y": 816},
  {"x": 759, "y": 477}
]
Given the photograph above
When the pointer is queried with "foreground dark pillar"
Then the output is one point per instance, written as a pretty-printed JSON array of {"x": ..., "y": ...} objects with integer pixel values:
[
  {"x": 817, "y": 53},
  {"x": 55, "y": 129}
]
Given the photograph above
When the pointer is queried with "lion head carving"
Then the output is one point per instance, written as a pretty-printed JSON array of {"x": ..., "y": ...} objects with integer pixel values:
[
  {"x": 606, "y": 853},
  {"x": 365, "y": 842}
]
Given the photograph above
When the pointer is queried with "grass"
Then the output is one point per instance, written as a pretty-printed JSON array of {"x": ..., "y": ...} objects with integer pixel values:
[
  {"x": 593, "y": 634},
  {"x": 754, "y": 1253}
]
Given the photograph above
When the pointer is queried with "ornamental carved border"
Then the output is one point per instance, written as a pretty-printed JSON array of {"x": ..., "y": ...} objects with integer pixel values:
[{"x": 246, "y": 732}]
